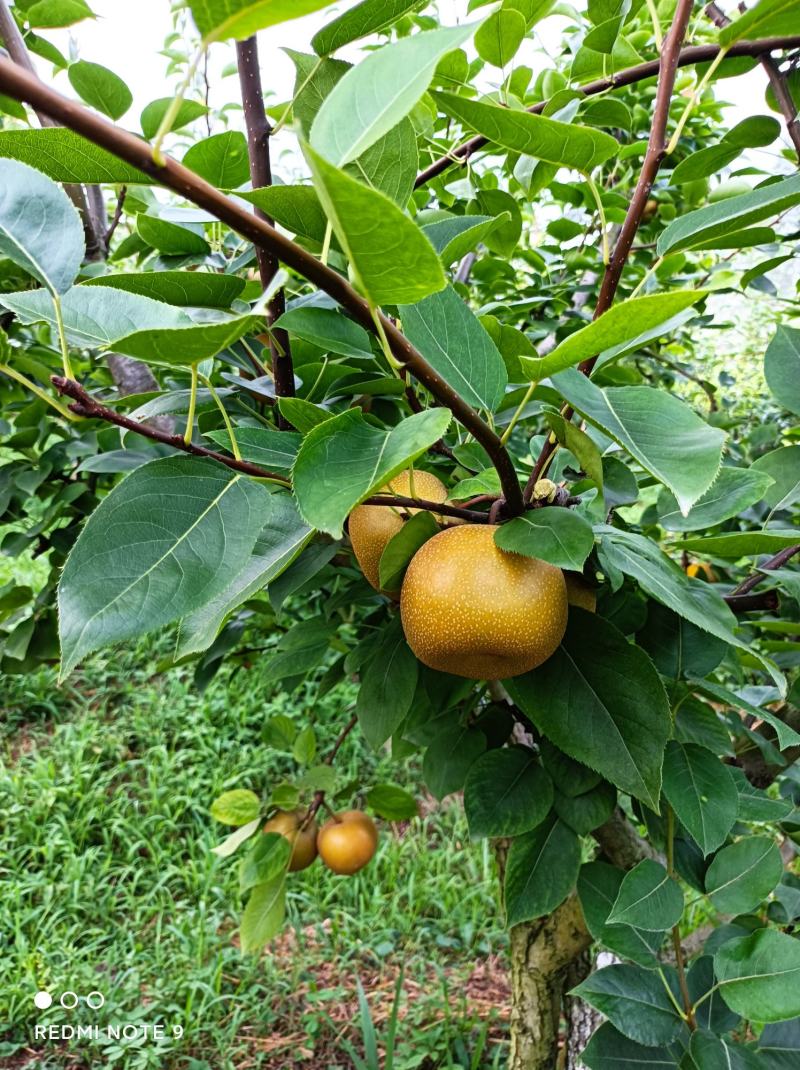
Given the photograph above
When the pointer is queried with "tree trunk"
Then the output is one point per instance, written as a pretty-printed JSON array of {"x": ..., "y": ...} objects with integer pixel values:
[{"x": 541, "y": 953}]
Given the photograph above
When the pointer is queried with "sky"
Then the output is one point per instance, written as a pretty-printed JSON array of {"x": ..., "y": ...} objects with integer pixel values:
[{"x": 130, "y": 45}]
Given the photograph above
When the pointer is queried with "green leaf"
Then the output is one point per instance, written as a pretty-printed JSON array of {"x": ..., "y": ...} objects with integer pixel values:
[
  {"x": 728, "y": 216},
  {"x": 635, "y": 1001},
  {"x": 678, "y": 648},
  {"x": 454, "y": 237},
  {"x": 741, "y": 876},
  {"x": 609, "y": 1050},
  {"x": 665, "y": 436},
  {"x": 457, "y": 346},
  {"x": 573, "y": 778},
  {"x": 380, "y": 91},
  {"x": 297, "y": 208},
  {"x": 163, "y": 542},
  {"x": 565, "y": 144},
  {"x": 449, "y": 758},
  {"x": 787, "y": 736},
  {"x": 586, "y": 812},
  {"x": 314, "y": 80},
  {"x": 169, "y": 238},
  {"x": 396, "y": 558},
  {"x": 783, "y": 465},
  {"x": 623, "y": 321},
  {"x": 497, "y": 40},
  {"x": 711, "y": 1052},
  {"x": 368, "y": 17},
  {"x": 702, "y": 793},
  {"x": 580, "y": 445},
  {"x": 393, "y": 261},
  {"x": 598, "y": 887},
  {"x": 598, "y": 687},
  {"x": 40, "y": 230},
  {"x": 282, "y": 538},
  {"x": 759, "y": 975},
  {"x": 507, "y": 793},
  {"x": 392, "y": 803},
  {"x": 559, "y": 536},
  {"x": 779, "y": 1045},
  {"x": 155, "y": 111},
  {"x": 712, "y": 1013},
  {"x": 54, "y": 14},
  {"x": 221, "y": 20},
  {"x": 541, "y": 870},
  {"x": 100, "y": 88},
  {"x": 184, "y": 345},
  {"x": 305, "y": 746},
  {"x": 299, "y": 651},
  {"x": 266, "y": 446},
  {"x": 782, "y": 368},
  {"x": 267, "y": 860},
  {"x": 327, "y": 329},
  {"x": 390, "y": 164},
  {"x": 344, "y": 460},
  {"x": 191, "y": 289},
  {"x": 220, "y": 159},
  {"x": 231, "y": 843},
  {"x": 65, "y": 156},
  {"x": 648, "y": 898},
  {"x": 736, "y": 544},
  {"x": 302, "y": 414},
  {"x": 237, "y": 807},
  {"x": 769, "y": 18},
  {"x": 387, "y": 686},
  {"x": 732, "y": 491},
  {"x": 263, "y": 916}
]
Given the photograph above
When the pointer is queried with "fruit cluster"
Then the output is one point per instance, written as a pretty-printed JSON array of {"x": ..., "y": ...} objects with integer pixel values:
[
  {"x": 468, "y": 607},
  {"x": 345, "y": 843}
]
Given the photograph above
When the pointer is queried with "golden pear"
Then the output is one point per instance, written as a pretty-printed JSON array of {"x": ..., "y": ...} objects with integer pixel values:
[
  {"x": 347, "y": 842},
  {"x": 287, "y": 823}
]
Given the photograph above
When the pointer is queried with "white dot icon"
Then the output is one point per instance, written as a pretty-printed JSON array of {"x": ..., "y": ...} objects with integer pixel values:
[{"x": 43, "y": 1000}]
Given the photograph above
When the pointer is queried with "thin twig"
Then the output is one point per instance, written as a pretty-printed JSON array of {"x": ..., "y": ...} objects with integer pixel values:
[
  {"x": 778, "y": 561},
  {"x": 117, "y": 215},
  {"x": 319, "y": 796}
]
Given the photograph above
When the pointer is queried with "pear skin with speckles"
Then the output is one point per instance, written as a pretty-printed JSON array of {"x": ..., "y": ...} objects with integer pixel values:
[
  {"x": 472, "y": 609},
  {"x": 372, "y": 526}
]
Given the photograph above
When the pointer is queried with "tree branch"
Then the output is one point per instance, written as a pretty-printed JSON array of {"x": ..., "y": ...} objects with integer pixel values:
[
  {"x": 656, "y": 151},
  {"x": 778, "y": 561},
  {"x": 23, "y": 86},
  {"x": 258, "y": 135},
  {"x": 688, "y": 57}
]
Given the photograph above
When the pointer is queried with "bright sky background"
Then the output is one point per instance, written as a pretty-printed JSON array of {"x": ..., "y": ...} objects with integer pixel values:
[{"x": 129, "y": 34}]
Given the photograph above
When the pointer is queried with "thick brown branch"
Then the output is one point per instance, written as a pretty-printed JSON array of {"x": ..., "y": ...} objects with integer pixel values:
[
  {"x": 687, "y": 58},
  {"x": 258, "y": 135},
  {"x": 23, "y": 86}
]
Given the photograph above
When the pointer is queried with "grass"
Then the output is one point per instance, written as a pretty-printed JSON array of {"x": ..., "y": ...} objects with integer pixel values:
[{"x": 109, "y": 885}]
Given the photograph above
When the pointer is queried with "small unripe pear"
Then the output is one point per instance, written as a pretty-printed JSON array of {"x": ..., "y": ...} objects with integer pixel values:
[
  {"x": 288, "y": 823},
  {"x": 347, "y": 842},
  {"x": 472, "y": 609}
]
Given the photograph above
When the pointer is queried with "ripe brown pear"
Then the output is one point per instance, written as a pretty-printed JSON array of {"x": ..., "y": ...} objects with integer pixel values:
[
  {"x": 472, "y": 609},
  {"x": 372, "y": 526},
  {"x": 579, "y": 592},
  {"x": 288, "y": 823},
  {"x": 347, "y": 842}
]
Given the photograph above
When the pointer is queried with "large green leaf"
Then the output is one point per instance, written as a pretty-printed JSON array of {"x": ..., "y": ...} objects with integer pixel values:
[
  {"x": 220, "y": 159},
  {"x": 609, "y": 1050},
  {"x": 165, "y": 541},
  {"x": 400, "y": 549},
  {"x": 635, "y": 1001},
  {"x": 559, "y": 536},
  {"x": 449, "y": 758},
  {"x": 156, "y": 111},
  {"x": 702, "y": 793},
  {"x": 565, "y": 144},
  {"x": 100, "y": 88},
  {"x": 170, "y": 238},
  {"x": 648, "y": 898},
  {"x": 327, "y": 329},
  {"x": 779, "y": 1045},
  {"x": 734, "y": 544},
  {"x": 759, "y": 975},
  {"x": 368, "y": 17},
  {"x": 741, "y": 876},
  {"x": 732, "y": 491},
  {"x": 393, "y": 261},
  {"x": 297, "y": 208},
  {"x": 584, "y": 813},
  {"x": 280, "y": 541},
  {"x": 380, "y": 91},
  {"x": 205, "y": 289},
  {"x": 787, "y": 736},
  {"x": 457, "y": 346},
  {"x": 665, "y": 436},
  {"x": 455, "y": 236},
  {"x": 387, "y": 686},
  {"x": 623, "y": 321},
  {"x": 782, "y": 367},
  {"x": 40, "y": 229},
  {"x": 390, "y": 164},
  {"x": 729, "y": 216},
  {"x": 263, "y": 915},
  {"x": 67, "y": 157},
  {"x": 711, "y": 1052},
  {"x": 783, "y": 466},
  {"x": 507, "y": 793},
  {"x": 601, "y": 701},
  {"x": 498, "y": 38},
  {"x": 345, "y": 459},
  {"x": 768, "y": 18},
  {"x": 221, "y": 20},
  {"x": 598, "y": 887},
  {"x": 541, "y": 870},
  {"x": 266, "y": 446}
]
